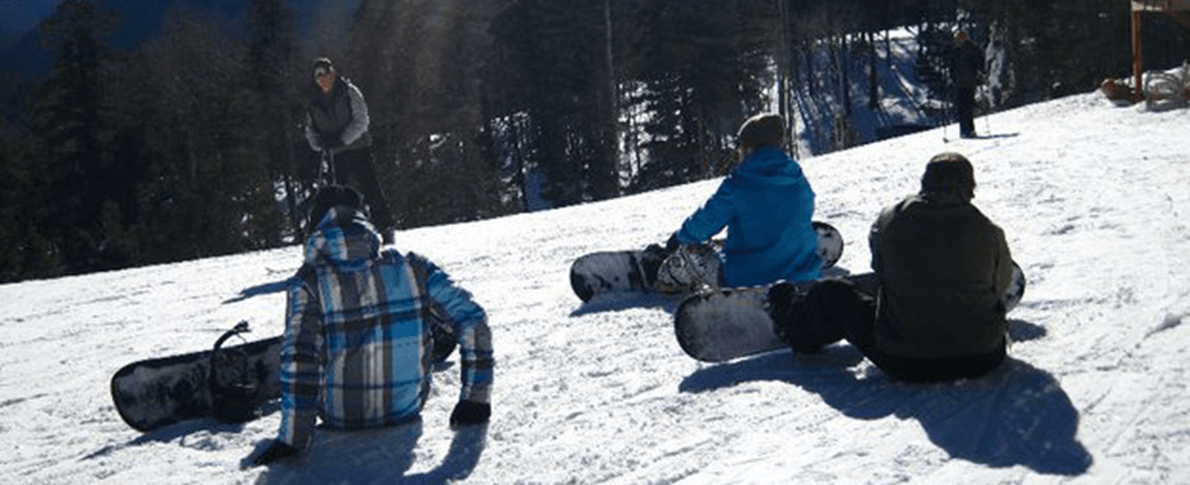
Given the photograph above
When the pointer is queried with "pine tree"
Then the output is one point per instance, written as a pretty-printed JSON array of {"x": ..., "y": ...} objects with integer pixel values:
[
  {"x": 72, "y": 121},
  {"x": 211, "y": 190},
  {"x": 275, "y": 96},
  {"x": 703, "y": 65}
]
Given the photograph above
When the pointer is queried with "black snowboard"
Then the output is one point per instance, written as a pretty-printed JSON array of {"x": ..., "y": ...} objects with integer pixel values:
[
  {"x": 725, "y": 324},
  {"x": 635, "y": 271},
  {"x": 228, "y": 382}
]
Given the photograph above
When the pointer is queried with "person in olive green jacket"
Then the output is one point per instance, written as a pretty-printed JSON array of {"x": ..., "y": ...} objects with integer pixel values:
[{"x": 941, "y": 268}]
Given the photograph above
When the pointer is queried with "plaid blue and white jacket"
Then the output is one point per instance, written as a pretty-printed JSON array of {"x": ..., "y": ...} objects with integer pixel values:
[{"x": 358, "y": 341}]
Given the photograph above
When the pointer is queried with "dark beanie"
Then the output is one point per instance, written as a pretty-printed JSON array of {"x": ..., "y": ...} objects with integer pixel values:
[
  {"x": 761, "y": 130},
  {"x": 334, "y": 196},
  {"x": 949, "y": 171}
]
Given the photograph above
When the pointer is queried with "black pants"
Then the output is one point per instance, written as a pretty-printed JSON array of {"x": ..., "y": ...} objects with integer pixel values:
[
  {"x": 964, "y": 106},
  {"x": 354, "y": 169},
  {"x": 838, "y": 309}
]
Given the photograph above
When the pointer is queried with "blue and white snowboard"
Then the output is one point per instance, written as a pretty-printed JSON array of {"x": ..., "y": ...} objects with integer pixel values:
[
  {"x": 637, "y": 271},
  {"x": 725, "y": 324}
]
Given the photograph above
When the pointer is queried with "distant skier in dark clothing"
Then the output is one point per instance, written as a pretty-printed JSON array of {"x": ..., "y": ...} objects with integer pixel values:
[
  {"x": 966, "y": 72},
  {"x": 941, "y": 268},
  {"x": 337, "y": 127}
]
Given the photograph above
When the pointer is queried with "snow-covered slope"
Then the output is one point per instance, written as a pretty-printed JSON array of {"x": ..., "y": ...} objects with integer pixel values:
[{"x": 1094, "y": 200}]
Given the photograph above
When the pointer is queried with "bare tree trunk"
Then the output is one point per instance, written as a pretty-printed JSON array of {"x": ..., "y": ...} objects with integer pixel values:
[{"x": 608, "y": 184}]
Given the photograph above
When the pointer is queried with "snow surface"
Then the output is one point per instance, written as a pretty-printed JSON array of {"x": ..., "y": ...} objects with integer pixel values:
[{"x": 1094, "y": 199}]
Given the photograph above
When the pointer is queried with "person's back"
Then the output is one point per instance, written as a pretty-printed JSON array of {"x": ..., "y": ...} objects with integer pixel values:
[
  {"x": 767, "y": 206},
  {"x": 943, "y": 267},
  {"x": 360, "y": 332},
  {"x": 967, "y": 62},
  {"x": 352, "y": 296},
  {"x": 771, "y": 236}
]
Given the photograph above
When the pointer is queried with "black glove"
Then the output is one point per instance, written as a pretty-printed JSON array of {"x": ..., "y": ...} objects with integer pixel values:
[
  {"x": 275, "y": 452},
  {"x": 673, "y": 243},
  {"x": 331, "y": 141},
  {"x": 467, "y": 413}
]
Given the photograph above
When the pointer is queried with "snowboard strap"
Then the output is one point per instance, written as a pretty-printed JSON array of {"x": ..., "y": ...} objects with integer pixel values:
[
  {"x": 689, "y": 268},
  {"x": 232, "y": 391}
]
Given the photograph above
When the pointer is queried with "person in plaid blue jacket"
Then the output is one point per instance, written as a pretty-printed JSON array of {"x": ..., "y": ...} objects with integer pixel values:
[{"x": 360, "y": 332}]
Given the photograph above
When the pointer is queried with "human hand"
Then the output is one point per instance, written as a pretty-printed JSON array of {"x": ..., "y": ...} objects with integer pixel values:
[
  {"x": 468, "y": 413},
  {"x": 673, "y": 243},
  {"x": 277, "y": 451}
]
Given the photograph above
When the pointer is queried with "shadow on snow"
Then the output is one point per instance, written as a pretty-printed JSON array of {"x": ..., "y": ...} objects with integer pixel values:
[
  {"x": 381, "y": 455},
  {"x": 258, "y": 290},
  {"x": 1018, "y": 415},
  {"x": 614, "y": 302}
]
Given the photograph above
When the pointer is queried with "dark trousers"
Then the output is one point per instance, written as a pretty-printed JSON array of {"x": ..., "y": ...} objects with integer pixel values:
[
  {"x": 838, "y": 309},
  {"x": 964, "y": 106},
  {"x": 354, "y": 169}
]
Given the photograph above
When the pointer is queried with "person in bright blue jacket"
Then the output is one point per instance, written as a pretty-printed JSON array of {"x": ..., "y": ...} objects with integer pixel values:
[
  {"x": 363, "y": 327},
  {"x": 767, "y": 206}
]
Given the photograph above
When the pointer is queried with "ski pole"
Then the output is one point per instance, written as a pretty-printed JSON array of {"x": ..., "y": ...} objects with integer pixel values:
[
  {"x": 948, "y": 104},
  {"x": 987, "y": 110},
  {"x": 987, "y": 126},
  {"x": 327, "y": 174}
]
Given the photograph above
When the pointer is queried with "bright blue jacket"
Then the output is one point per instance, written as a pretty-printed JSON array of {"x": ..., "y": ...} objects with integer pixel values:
[
  {"x": 767, "y": 206},
  {"x": 358, "y": 338}
]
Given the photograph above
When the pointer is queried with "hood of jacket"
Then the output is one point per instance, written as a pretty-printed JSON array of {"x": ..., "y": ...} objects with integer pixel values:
[
  {"x": 343, "y": 235},
  {"x": 768, "y": 166}
]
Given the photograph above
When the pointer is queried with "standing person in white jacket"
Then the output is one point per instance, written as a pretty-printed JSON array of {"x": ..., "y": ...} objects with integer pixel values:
[{"x": 337, "y": 127}]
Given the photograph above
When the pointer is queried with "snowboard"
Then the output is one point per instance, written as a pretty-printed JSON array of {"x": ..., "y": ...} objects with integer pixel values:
[
  {"x": 725, "y": 324},
  {"x": 636, "y": 271},
  {"x": 226, "y": 382}
]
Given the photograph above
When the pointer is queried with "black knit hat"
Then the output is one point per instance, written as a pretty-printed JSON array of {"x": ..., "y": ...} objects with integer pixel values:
[
  {"x": 949, "y": 171},
  {"x": 334, "y": 196},
  {"x": 761, "y": 130}
]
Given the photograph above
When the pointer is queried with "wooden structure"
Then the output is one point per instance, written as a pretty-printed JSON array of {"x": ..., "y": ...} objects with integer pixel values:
[{"x": 1178, "y": 9}]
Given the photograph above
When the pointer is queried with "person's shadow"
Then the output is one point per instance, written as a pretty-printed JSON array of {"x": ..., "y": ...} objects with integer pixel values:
[
  {"x": 258, "y": 290},
  {"x": 380, "y": 456},
  {"x": 1018, "y": 415}
]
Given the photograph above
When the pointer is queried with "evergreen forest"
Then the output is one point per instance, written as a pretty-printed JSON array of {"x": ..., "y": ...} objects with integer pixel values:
[{"x": 190, "y": 145}]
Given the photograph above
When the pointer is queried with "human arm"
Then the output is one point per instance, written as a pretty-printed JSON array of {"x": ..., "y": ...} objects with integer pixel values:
[
  {"x": 457, "y": 308},
  {"x": 1003, "y": 271},
  {"x": 312, "y": 137},
  {"x": 876, "y": 233},
  {"x": 359, "y": 117},
  {"x": 712, "y": 217},
  {"x": 300, "y": 362}
]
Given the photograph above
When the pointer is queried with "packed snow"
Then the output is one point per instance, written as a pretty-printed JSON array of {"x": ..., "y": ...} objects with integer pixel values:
[{"x": 1094, "y": 199}]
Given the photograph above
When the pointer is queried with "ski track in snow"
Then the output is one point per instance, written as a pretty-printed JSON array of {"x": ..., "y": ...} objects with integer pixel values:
[{"x": 1092, "y": 198}]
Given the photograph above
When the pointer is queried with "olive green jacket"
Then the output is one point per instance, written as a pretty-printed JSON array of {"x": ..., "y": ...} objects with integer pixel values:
[{"x": 943, "y": 267}]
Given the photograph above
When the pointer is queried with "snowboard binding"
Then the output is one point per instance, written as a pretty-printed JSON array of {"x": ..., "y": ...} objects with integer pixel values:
[
  {"x": 690, "y": 268},
  {"x": 233, "y": 392}
]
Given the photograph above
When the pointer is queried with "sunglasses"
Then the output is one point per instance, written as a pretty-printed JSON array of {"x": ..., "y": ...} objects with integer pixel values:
[{"x": 321, "y": 72}]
